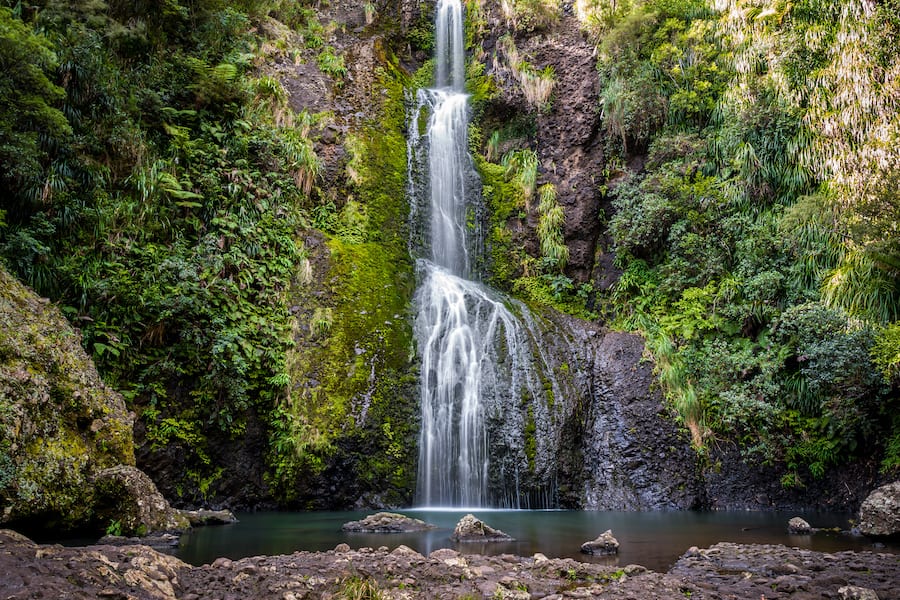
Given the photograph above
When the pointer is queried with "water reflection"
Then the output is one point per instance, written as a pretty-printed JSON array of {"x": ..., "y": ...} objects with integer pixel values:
[{"x": 652, "y": 539}]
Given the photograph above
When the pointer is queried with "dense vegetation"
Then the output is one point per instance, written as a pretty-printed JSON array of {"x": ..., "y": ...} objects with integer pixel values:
[
  {"x": 759, "y": 245},
  {"x": 757, "y": 240},
  {"x": 155, "y": 183}
]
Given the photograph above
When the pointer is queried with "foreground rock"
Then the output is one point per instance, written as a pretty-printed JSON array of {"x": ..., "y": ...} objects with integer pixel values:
[
  {"x": 722, "y": 571},
  {"x": 385, "y": 522},
  {"x": 879, "y": 514},
  {"x": 63, "y": 434},
  {"x": 604, "y": 544},
  {"x": 472, "y": 529},
  {"x": 773, "y": 571}
]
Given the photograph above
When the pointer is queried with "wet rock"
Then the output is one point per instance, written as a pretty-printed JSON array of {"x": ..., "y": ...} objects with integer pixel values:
[
  {"x": 879, "y": 514},
  {"x": 851, "y": 592},
  {"x": 634, "y": 456},
  {"x": 604, "y": 544},
  {"x": 798, "y": 526},
  {"x": 386, "y": 522},
  {"x": 471, "y": 529},
  {"x": 130, "y": 497},
  {"x": 202, "y": 517}
]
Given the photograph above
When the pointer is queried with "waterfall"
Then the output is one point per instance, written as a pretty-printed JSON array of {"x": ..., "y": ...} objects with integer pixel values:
[{"x": 478, "y": 371}]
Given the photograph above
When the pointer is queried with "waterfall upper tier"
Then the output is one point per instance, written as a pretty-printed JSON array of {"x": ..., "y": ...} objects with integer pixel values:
[
  {"x": 448, "y": 165},
  {"x": 450, "y": 51}
]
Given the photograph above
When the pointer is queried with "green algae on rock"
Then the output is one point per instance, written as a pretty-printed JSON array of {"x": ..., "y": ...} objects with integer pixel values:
[
  {"x": 349, "y": 415},
  {"x": 59, "y": 423},
  {"x": 66, "y": 446}
]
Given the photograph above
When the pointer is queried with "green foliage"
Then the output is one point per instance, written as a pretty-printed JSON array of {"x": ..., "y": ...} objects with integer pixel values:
[
  {"x": 757, "y": 255},
  {"x": 886, "y": 352},
  {"x": 114, "y": 528},
  {"x": 421, "y": 34},
  {"x": 530, "y": 15},
  {"x": 163, "y": 214},
  {"x": 331, "y": 63},
  {"x": 554, "y": 252},
  {"x": 521, "y": 168},
  {"x": 30, "y": 119},
  {"x": 536, "y": 84}
]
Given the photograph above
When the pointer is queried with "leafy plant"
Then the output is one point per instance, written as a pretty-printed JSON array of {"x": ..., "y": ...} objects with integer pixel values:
[
  {"x": 114, "y": 528},
  {"x": 359, "y": 588},
  {"x": 331, "y": 63}
]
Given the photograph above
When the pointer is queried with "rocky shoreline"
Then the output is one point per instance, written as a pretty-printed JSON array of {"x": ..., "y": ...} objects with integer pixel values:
[{"x": 724, "y": 570}]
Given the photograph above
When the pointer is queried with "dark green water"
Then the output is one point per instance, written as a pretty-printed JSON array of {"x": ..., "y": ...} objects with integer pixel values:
[{"x": 652, "y": 539}]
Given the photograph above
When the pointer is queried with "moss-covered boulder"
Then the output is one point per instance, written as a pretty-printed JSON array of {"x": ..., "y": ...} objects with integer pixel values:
[
  {"x": 128, "y": 500},
  {"x": 59, "y": 424}
]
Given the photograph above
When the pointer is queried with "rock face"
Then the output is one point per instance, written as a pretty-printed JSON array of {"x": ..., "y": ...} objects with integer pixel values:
[
  {"x": 604, "y": 544},
  {"x": 879, "y": 514},
  {"x": 127, "y": 495},
  {"x": 566, "y": 136},
  {"x": 735, "y": 483},
  {"x": 385, "y": 522},
  {"x": 471, "y": 529},
  {"x": 635, "y": 458},
  {"x": 59, "y": 424}
]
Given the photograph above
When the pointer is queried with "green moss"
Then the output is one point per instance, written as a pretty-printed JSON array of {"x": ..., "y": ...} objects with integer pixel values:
[
  {"x": 504, "y": 203},
  {"x": 353, "y": 395},
  {"x": 58, "y": 423},
  {"x": 530, "y": 441}
]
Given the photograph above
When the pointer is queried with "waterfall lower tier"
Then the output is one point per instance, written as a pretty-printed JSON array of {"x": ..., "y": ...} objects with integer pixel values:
[{"x": 489, "y": 427}]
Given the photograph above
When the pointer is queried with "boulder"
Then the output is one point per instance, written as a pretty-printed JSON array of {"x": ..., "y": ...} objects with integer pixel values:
[
  {"x": 604, "y": 544},
  {"x": 471, "y": 529},
  {"x": 127, "y": 497},
  {"x": 799, "y": 526},
  {"x": 202, "y": 517},
  {"x": 879, "y": 515},
  {"x": 385, "y": 522},
  {"x": 59, "y": 423}
]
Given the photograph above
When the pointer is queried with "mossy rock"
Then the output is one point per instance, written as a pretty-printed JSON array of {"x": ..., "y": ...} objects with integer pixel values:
[
  {"x": 348, "y": 423},
  {"x": 129, "y": 501},
  {"x": 59, "y": 423}
]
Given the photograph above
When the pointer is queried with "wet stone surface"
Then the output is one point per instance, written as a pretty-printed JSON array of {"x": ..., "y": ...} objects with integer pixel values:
[{"x": 720, "y": 572}]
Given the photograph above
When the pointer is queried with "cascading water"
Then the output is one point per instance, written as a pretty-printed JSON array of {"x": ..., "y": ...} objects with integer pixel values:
[{"x": 478, "y": 371}]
